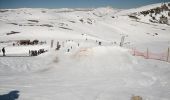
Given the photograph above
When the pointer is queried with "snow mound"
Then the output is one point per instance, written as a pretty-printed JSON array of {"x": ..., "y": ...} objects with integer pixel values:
[
  {"x": 99, "y": 61},
  {"x": 100, "y": 12}
]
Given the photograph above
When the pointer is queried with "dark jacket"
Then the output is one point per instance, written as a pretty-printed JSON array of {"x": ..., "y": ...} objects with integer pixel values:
[{"x": 3, "y": 49}]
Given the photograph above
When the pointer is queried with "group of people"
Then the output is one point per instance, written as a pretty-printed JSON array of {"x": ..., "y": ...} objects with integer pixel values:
[
  {"x": 58, "y": 46},
  {"x": 36, "y": 52},
  {"x": 3, "y": 51},
  {"x": 31, "y": 52}
]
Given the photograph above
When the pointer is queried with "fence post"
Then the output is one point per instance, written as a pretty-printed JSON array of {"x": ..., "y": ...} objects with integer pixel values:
[
  {"x": 167, "y": 56},
  {"x": 52, "y": 42},
  {"x": 147, "y": 54},
  {"x": 134, "y": 52}
]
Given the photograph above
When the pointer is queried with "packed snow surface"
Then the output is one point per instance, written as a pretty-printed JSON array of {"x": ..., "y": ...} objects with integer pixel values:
[
  {"x": 82, "y": 69},
  {"x": 102, "y": 73}
]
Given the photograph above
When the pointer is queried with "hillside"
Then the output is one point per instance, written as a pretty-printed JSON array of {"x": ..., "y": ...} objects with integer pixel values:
[
  {"x": 98, "y": 24},
  {"x": 159, "y": 13},
  {"x": 81, "y": 58}
]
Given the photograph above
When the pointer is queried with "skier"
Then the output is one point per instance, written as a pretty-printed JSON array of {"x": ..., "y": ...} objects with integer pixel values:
[
  {"x": 3, "y": 50},
  {"x": 100, "y": 43}
]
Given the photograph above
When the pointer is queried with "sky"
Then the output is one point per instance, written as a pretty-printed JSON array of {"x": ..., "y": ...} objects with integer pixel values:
[{"x": 75, "y": 3}]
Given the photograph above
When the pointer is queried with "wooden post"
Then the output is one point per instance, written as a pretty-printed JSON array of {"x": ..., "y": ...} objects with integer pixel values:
[
  {"x": 52, "y": 42},
  {"x": 168, "y": 55},
  {"x": 147, "y": 54}
]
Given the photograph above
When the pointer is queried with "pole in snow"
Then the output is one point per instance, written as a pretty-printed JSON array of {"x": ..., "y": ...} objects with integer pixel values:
[
  {"x": 168, "y": 55},
  {"x": 52, "y": 43},
  {"x": 122, "y": 40},
  {"x": 147, "y": 54}
]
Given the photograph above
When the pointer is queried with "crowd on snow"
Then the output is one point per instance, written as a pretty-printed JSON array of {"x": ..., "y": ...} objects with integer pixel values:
[
  {"x": 40, "y": 51},
  {"x": 36, "y": 52},
  {"x": 59, "y": 44}
]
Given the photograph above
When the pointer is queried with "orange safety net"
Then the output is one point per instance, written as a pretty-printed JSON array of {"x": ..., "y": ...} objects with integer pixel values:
[{"x": 163, "y": 56}]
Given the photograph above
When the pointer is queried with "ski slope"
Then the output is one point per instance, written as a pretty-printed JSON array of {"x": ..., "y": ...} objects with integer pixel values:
[
  {"x": 97, "y": 73},
  {"x": 88, "y": 71}
]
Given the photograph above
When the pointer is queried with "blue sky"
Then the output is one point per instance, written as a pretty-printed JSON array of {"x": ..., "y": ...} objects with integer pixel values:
[{"x": 75, "y": 3}]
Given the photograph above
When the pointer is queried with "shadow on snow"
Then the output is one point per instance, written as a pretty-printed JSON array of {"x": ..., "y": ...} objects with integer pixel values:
[{"x": 12, "y": 95}]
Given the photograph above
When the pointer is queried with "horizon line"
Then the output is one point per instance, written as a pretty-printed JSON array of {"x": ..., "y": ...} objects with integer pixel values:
[{"x": 81, "y": 7}]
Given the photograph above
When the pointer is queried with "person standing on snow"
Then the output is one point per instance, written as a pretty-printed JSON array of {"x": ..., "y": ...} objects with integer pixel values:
[{"x": 3, "y": 50}]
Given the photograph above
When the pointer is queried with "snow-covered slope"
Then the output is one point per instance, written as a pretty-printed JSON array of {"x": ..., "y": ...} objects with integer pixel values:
[
  {"x": 103, "y": 73},
  {"x": 81, "y": 69},
  {"x": 97, "y": 24},
  {"x": 155, "y": 13}
]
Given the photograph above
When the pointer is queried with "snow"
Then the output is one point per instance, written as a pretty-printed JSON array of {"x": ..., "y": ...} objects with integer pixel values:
[
  {"x": 85, "y": 76},
  {"x": 139, "y": 9},
  {"x": 88, "y": 71}
]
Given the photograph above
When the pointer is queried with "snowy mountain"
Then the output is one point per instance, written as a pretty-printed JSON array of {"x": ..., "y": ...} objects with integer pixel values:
[
  {"x": 159, "y": 13},
  {"x": 90, "y": 64}
]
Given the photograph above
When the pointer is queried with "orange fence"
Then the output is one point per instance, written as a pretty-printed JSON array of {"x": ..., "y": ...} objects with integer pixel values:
[{"x": 163, "y": 56}]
